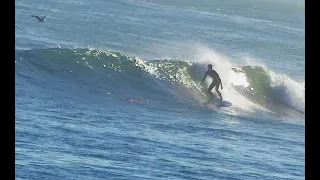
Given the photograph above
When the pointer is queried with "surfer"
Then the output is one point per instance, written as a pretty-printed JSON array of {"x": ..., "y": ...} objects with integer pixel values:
[{"x": 215, "y": 83}]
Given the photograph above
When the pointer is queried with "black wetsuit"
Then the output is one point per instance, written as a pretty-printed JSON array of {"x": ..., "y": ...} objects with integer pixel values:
[{"x": 215, "y": 83}]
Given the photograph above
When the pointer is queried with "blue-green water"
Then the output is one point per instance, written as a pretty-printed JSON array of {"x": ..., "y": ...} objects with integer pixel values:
[{"x": 110, "y": 89}]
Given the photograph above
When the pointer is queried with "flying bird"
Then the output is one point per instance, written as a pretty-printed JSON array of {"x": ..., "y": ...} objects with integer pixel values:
[{"x": 40, "y": 19}]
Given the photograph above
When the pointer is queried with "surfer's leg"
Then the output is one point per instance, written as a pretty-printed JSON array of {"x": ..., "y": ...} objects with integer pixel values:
[
  {"x": 209, "y": 91},
  {"x": 218, "y": 93}
]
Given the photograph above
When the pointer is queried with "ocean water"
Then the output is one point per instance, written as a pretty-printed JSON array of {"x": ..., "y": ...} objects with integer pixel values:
[{"x": 109, "y": 89}]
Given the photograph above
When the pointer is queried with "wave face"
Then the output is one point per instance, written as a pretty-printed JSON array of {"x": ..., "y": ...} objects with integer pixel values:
[{"x": 170, "y": 81}]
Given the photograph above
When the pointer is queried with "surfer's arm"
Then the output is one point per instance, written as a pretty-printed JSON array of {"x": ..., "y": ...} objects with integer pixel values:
[{"x": 205, "y": 75}]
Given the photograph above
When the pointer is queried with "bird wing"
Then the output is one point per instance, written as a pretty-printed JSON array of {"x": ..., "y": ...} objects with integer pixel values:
[{"x": 37, "y": 17}]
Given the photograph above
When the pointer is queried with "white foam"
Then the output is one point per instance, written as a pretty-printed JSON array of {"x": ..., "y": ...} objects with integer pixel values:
[{"x": 290, "y": 91}]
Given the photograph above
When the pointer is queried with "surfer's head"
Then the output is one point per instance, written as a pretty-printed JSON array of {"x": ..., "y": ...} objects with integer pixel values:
[{"x": 209, "y": 66}]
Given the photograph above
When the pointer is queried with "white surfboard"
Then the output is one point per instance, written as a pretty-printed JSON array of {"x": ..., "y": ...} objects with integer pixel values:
[
  {"x": 223, "y": 103},
  {"x": 218, "y": 103}
]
